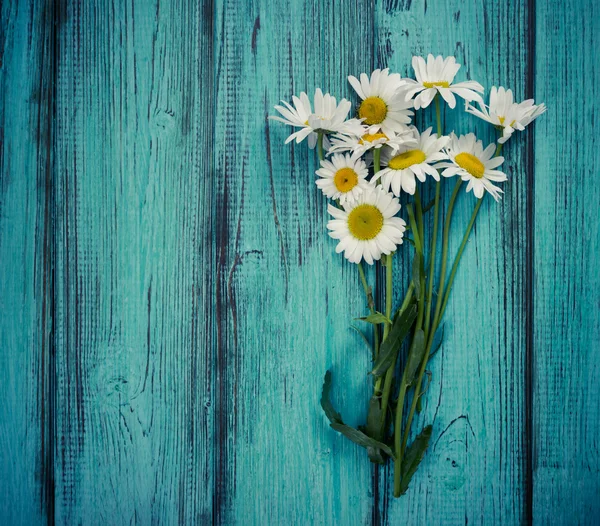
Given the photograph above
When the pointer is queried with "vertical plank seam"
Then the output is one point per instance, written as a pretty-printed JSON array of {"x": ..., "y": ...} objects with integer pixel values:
[
  {"x": 48, "y": 428},
  {"x": 529, "y": 258}
]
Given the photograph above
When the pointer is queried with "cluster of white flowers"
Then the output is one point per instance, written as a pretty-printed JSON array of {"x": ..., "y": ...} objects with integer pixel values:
[{"x": 364, "y": 214}]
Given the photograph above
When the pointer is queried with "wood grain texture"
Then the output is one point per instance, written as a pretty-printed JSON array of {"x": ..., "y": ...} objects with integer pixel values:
[
  {"x": 134, "y": 293},
  {"x": 474, "y": 471},
  {"x": 284, "y": 298},
  {"x": 171, "y": 300},
  {"x": 26, "y": 74},
  {"x": 566, "y": 370}
]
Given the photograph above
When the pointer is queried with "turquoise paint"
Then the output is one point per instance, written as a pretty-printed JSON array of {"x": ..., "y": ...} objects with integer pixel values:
[{"x": 174, "y": 300}]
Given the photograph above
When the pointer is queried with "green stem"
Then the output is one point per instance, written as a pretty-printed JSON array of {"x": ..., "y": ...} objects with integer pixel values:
[
  {"x": 371, "y": 304},
  {"x": 376, "y": 160},
  {"x": 419, "y": 216},
  {"x": 438, "y": 115},
  {"x": 320, "y": 146},
  {"x": 459, "y": 255},
  {"x": 445, "y": 234},
  {"x": 414, "y": 229},
  {"x": 436, "y": 213},
  {"x": 397, "y": 436},
  {"x": 436, "y": 209},
  {"x": 388, "y": 315},
  {"x": 436, "y": 317}
]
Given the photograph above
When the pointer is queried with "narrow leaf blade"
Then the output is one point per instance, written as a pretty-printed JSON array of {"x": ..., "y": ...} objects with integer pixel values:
[
  {"x": 358, "y": 437},
  {"x": 355, "y": 435},
  {"x": 400, "y": 328},
  {"x": 326, "y": 404},
  {"x": 413, "y": 457},
  {"x": 376, "y": 318},
  {"x": 415, "y": 356}
]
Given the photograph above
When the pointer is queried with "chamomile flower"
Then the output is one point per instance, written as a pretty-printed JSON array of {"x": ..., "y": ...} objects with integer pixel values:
[
  {"x": 437, "y": 76},
  {"x": 384, "y": 107},
  {"x": 328, "y": 117},
  {"x": 367, "y": 228},
  {"x": 343, "y": 177},
  {"x": 472, "y": 163},
  {"x": 362, "y": 140},
  {"x": 411, "y": 161},
  {"x": 505, "y": 114}
]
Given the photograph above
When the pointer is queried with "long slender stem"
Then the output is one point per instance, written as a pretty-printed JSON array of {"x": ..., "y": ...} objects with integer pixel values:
[
  {"x": 459, "y": 255},
  {"x": 388, "y": 280},
  {"x": 398, "y": 450},
  {"x": 432, "y": 254},
  {"x": 438, "y": 115},
  {"x": 419, "y": 215},
  {"x": 320, "y": 146},
  {"x": 388, "y": 315},
  {"x": 436, "y": 214},
  {"x": 376, "y": 160},
  {"x": 436, "y": 317},
  {"x": 445, "y": 234},
  {"x": 371, "y": 305}
]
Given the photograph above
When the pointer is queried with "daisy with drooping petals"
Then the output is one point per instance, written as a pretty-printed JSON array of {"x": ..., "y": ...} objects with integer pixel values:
[
  {"x": 328, "y": 117},
  {"x": 505, "y": 114},
  {"x": 362, "y": 140},
  {"x": 437, "y": 76},
  {"x": 474, "y": 164},
  {"x": 343, "y": 177},
  {"x": 384, "y": 106},
  {"x": 367, "y": 228},
  {"x": 411, "y": 160}
]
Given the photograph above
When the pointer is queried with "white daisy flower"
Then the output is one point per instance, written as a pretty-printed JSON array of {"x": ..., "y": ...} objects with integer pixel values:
[
  {"x": 367, "y": 228},
  {"x": 328, "y": 117},
  {"x": 384, "y": 106},
  {"x": 437, "y": 76},
  {"x": 505, "y": 114},
  {"x": 362, "y": 140},
  {"x": 343, "y": 177},
  {"x": 410, "y": 161},
  {"x": 474, "y": 164}
]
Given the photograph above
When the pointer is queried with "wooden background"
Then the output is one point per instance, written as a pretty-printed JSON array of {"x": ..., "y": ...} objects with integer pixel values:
[{"x": 170, "y": 300}]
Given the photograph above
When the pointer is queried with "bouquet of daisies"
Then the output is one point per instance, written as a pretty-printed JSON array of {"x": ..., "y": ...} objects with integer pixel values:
[{"x": 366, "y": 163}]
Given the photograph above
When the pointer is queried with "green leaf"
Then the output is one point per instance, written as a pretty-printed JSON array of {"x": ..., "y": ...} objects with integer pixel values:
[
  {"x": 413, "y": 457},
  {"x": 376, "y": 318},
  {"x": 373, "y": 429},
  {"x": 417, "y": 270},
  {"x": 363, "y": 336},
  {"x": 336, "y": 422},
  {"x": 400, "y": 328},
  {"x": 415, "y": 356},
  {"x": 326, "y": 404},
  {"x": 437, "y": 340},
  {"x": 358, "y": 437}
]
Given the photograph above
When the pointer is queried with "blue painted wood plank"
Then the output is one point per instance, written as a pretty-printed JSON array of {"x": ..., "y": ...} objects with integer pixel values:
[
  {"x": 26, "y": 72},
  {"x": 566, "y": 408},
  {"x": 285, "y": 299},
  {"x": 134, "y": 298},
  {"x": 474, "y": 471}
]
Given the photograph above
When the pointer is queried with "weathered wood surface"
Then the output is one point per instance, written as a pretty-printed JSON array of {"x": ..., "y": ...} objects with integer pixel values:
[{"x": 171, "y": 301}]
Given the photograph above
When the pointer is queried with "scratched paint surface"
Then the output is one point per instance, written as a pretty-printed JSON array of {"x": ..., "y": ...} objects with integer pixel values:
[{"x": 171, "y": 302}]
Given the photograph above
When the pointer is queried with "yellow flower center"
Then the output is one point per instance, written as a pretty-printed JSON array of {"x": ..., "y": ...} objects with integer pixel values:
[
  {"x": 373, "y": 110},
  {"x": 365, "y": 222},
  {"x": 370, "y": 137},
  {"x": 471, "y": 164},
  {"x": 440, "y": 83},
  {"x": 345, "y": 179},
  {"x": 406, "y": 159},
  {"x": 502, "y": 119}
]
